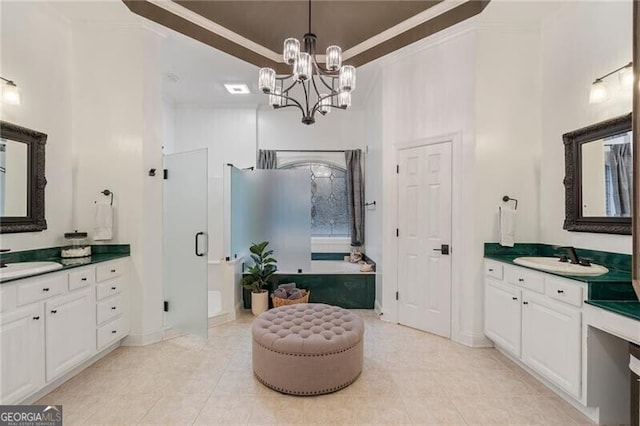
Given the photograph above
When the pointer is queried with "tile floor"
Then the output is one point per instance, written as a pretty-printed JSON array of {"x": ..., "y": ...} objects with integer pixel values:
[{"x": 409, "y": 377}]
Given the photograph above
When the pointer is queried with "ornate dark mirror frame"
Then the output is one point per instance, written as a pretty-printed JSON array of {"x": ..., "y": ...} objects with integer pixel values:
[
  {"x": 574, "y": 221},
  {"x": 36, "y": 181}
]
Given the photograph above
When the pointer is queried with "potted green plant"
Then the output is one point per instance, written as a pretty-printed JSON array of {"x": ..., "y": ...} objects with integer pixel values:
[{"x": 257, "y": 276}]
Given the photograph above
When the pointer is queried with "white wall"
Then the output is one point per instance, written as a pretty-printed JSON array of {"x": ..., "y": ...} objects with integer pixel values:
[
  {"x": 229, "y": 134},
  {"x": 36, "y": 53},
  {"x": 117, "y": 138},
  {"x": 373, "y": 180},
  {"x": 339, "y": 130},
  {"x": 581, "y": 42},
  {"x": 428, "y": 91}
]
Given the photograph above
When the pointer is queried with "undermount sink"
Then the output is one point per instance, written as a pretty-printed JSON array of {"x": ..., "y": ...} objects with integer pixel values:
[
  {"x": 553, "y": 264},
  {"x": 24, "y": 269}
]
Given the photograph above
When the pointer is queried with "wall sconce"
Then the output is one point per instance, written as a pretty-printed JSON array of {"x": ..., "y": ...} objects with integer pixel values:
[
  {"x": 599, "y": 88},
  {"x": 10, "y": 92}
]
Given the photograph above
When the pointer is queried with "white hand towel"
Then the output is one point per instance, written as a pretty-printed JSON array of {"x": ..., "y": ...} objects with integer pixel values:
[
  {"x": 103, "y": 227},
  {"x": 507, "y": 226}
]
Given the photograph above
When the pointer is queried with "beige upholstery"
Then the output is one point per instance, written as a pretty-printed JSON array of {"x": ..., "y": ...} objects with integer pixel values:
[{"x": 307, "y": 349}]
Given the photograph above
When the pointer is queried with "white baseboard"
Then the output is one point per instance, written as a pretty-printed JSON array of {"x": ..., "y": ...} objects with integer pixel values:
[
  {"x": 377, "y": 307},
  {"x": 473, "y": 340},
  {"x": 143, "y": 339}
]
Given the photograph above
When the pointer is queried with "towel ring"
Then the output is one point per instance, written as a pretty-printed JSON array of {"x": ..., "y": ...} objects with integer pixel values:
[
  {"x": 107, "y": 193},
  {"x": 506, "y": 199}
]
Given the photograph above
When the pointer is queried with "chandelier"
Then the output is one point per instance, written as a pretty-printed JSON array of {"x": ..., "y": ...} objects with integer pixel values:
[{"x": 324, "y": 88}]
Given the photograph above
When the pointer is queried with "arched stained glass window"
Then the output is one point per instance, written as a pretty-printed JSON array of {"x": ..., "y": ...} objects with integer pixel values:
[{"x": 329, "y": 212}]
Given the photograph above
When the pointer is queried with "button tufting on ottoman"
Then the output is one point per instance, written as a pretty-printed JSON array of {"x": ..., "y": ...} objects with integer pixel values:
[{"x": 307, "y": 349}]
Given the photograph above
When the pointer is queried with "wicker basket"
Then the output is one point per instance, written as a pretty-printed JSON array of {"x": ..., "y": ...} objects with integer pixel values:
[{"x": 277, "y": 302}]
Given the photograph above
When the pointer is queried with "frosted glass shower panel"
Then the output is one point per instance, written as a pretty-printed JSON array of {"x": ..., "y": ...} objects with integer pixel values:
[
  {"x": 274, "y": 206},
  {"x": 246, "y": 216},
  {"x": 288, "y": 223}
]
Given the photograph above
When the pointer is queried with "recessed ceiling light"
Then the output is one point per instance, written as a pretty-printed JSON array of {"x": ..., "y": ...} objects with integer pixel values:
[{"x": 237, "y": 89}]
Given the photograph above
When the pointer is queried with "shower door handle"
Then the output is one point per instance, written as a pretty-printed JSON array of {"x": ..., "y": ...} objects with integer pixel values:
[{"x": 196, "y": 245}]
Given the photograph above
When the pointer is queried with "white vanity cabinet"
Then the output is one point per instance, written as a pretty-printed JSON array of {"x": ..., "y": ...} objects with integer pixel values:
[
  {"x": 551, "y": 341},
  {"x": 70, "y": 336},
  {"x": 536, "y": 317},
  {"x": 111, "y": 319},
  {"x": 21, "y": 352},
  {"x": 53, "y": 323}
]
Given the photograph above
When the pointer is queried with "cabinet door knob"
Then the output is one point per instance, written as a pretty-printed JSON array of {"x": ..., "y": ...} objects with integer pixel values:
[
  {"x": 54, "y": 311},
  {"x": 114, "y": 331},
  {"x": 514, "y": 298},
  {"x": 37, "y": 317},
  {"x": 560, "y": 291},
  {"x": 114, "y": 288},
  {"x": 521, "y": 280},
  {"x": 525, "y": 303},
  {"x": 113, "y": 271},
  {"x": 113, "y": 308},
  {"x": 490, "y": 269},
  {"x": 83, "y": 279},
  {"x": 45, "y": 289}
]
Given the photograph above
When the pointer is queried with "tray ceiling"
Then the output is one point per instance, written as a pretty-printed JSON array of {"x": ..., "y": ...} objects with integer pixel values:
[{"x": 255, "y": 30}]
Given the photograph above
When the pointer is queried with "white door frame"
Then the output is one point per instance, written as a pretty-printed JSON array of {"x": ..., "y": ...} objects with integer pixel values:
[{"x": 455, "y": 139}]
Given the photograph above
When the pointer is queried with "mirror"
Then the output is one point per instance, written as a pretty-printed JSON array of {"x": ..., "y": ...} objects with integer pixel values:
[
  {"x": 598, "y": 179},
  {"x": 22, "y": 179}
]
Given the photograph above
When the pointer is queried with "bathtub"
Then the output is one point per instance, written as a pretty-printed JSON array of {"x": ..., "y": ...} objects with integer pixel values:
[{"x": 334, "y": 282}]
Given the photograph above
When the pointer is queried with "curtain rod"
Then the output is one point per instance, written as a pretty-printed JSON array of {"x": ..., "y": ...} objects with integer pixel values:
[{"x": 309, "y": 150}]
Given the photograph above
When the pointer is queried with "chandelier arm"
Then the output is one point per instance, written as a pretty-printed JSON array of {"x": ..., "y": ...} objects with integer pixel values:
[
  {"x": 331, "y": 88},
  {"x": 322, "y": 70},
  {"x": 289, "y": 99},
  {"x": 316, "y": 107},
  {"x": 293, "y": 83}
]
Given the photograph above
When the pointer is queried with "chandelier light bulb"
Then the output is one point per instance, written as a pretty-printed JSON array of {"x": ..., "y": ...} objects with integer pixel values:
[
  {"x": 325, "y": 104},
  {"x": 302, "y": 67},
  {"x": 333, "y": 58},
  {"x": 267, "y": 80},
  {"x": 347, "y": 81},
  {"x": 291, "y": 50},
  {"x": 598, "y": 92},
  {"x": 274, "y": 99},
  {"x": 10, "y": 93},
  {"x": 344, "y": 99}
]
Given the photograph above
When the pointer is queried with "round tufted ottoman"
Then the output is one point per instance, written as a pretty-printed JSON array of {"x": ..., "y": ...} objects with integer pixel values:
[{"x": 307, "y": 349}]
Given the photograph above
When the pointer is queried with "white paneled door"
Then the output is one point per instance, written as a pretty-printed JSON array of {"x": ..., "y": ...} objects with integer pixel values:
[{"x": 424, "y": 234}]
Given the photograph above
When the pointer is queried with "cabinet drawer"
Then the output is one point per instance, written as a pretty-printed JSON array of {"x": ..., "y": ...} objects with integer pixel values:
[
  {"x": 41, "y": 288},
  {"x": 566, "y": 292},
  {"x": 524, "y": 278},
  {"x": 108, "y": 271},
  {"x": 493, "y": 269},
  {"x": 108, "y": 289},
  {"x": 108, "y": 309},
  {"x": 110, "y": 332},
  {"x": 81, "y": 278}
]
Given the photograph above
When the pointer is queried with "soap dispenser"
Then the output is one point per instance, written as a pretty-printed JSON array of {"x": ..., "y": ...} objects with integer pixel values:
[{"x": 77, "y": 246}]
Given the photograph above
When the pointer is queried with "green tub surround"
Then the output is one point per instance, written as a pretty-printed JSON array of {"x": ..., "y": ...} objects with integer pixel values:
[
  {"x": 349, "y": 291},
  {"x": 612, "y": 291},
  {"x": 99, "y": 253}
]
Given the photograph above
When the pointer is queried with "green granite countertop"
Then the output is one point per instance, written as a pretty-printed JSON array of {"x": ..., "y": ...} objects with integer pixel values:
[
  {"x": 99, "y": 253},
  {"x": 619, "y": 265},
  {"x": 611, "y": 291},
  {"x": 627, "y": 308}
]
